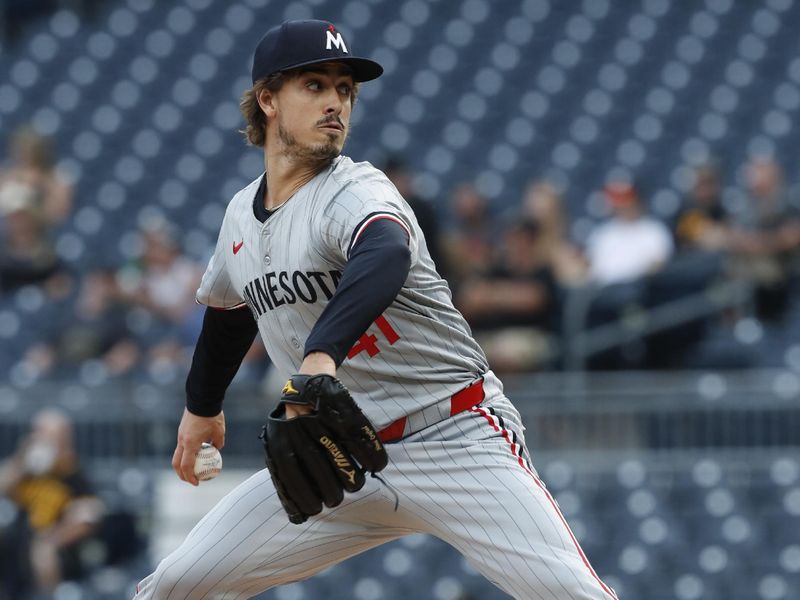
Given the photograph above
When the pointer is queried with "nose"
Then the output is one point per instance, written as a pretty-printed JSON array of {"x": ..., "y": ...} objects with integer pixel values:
[{"x": 333, "y": 103}]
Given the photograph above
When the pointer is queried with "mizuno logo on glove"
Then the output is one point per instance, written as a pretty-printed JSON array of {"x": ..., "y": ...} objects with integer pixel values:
[
  {"x": 344, "y": 465},
  {"x": 289, "y": 388}
]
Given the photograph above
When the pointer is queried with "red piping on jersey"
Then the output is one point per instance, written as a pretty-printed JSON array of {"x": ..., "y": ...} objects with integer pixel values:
[
  {"x": 237, "y": 307},
  {"x": 540, "y": 485},
  {"x": 372, "y": 220}
]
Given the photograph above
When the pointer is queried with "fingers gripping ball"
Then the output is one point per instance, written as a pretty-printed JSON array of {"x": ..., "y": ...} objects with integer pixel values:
[
  {"x": 317, "y": 457},
  {"x": 208, "y": 462}
]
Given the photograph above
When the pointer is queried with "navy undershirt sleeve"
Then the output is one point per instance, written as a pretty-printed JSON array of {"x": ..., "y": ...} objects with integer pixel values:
[
  {"x": 374, "y": 274},
  {"x": 224, "y": 340},
  {"x": 378, "y": 267}
]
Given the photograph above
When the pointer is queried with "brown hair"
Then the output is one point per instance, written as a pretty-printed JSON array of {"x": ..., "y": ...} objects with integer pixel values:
[{"x": 256, "y": 130}]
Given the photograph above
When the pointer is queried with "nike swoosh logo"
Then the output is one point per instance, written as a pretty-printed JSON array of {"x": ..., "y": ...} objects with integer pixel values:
[{"x": 237, "y": 247}]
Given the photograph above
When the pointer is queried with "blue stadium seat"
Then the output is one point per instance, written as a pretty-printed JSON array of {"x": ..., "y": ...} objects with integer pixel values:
[{"x": 143, "y": 100}]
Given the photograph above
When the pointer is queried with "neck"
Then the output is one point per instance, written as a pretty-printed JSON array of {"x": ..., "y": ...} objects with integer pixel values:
[{"x": 286, "y": 175}]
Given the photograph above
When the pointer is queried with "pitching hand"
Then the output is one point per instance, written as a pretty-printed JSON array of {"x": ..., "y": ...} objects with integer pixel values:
[{"x": 192, "y": 432}]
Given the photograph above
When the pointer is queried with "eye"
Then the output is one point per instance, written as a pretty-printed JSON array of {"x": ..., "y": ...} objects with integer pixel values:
[
  {"x": 313, "y": 84},
  {"x": 345, "y": 89}
]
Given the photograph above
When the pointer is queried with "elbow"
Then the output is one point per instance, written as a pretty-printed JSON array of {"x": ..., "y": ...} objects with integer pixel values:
[{"x": 399, "y": 260}]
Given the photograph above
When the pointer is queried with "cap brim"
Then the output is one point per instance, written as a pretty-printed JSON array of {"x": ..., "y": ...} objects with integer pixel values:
[{"x": 364, "y": 69}]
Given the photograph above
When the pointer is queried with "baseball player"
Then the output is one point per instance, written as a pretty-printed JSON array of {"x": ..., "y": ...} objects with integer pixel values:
[{"x": 324, "y": 258}]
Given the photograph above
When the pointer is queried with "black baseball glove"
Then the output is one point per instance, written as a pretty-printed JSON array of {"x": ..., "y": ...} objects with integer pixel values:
[{"x": 314, "y": 458}]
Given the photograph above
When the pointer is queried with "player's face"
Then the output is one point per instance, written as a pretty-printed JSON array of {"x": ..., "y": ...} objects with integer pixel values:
[{"x": 314, "y": 111}]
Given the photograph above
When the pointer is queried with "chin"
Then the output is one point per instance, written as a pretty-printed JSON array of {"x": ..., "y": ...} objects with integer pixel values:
[{"x": 327, "y": 151}]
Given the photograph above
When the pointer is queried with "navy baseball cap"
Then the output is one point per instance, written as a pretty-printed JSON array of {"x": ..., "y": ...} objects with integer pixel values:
[{"x": 295, "y": 44}]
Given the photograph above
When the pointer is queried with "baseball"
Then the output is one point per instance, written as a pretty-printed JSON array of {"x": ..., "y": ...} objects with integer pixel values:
[{"x": 208, "y": 462}]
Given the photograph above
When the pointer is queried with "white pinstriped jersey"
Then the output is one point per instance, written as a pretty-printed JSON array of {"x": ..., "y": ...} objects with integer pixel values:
[{"x": 419, "y": 352}]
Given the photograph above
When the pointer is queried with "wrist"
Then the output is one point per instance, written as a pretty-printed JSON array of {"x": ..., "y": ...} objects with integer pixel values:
[
  {"x": 200, "y": 409},
  {"x": 316, "y": 363}
]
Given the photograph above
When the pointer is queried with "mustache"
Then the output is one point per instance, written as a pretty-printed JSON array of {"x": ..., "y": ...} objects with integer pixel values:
[{"x": 327, "y": 120}]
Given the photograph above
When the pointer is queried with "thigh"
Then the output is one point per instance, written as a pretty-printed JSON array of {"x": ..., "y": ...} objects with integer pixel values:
[
  {"x": 246, "y": 544},
  {"x": 470, "y": 483}
]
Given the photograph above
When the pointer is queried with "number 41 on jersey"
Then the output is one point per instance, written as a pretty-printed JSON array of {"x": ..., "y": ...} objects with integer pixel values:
[{"x": 369, "y": 342}]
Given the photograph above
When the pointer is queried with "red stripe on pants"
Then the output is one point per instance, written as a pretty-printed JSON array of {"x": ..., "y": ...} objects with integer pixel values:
[{"x": 542, "y": 487}]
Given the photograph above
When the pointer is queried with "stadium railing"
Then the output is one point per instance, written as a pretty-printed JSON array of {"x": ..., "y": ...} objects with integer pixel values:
[{"x": 591, "y": 413}]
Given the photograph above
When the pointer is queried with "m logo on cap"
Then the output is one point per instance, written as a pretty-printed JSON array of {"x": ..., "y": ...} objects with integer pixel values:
[{"x": 335, "y": 40}]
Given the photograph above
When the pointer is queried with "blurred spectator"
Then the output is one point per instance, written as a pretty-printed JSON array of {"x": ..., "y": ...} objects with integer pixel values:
[
  {"x": 94, "y": 329},
  {"x": 765, "y": 236},
  {"x": 32, "y": 163},
  {"x": 512, "y": 309},
  {"x": 630, "y": 244},
  {"x": 544, "y": 204},
  {"x": 26, "y": 255},
  {"x": 631, "y": 259},
  {"x": 56, "y": 509},
  {"x": 399, "y": 174},
  {"x": 164, "y": 286},
  {"x": 702, "y": 222},
  {"x": 468, "y": 244}
]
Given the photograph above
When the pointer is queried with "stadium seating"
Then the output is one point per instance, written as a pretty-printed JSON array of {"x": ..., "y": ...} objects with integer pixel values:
[
  {"x": 142, "y": 99},
  {"x": 143, "y": 102}
]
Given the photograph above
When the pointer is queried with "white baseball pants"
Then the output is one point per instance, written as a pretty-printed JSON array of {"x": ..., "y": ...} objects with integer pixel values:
[{"x": 466, "y": 480}]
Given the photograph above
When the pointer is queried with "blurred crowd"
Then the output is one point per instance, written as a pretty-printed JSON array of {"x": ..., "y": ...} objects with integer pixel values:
[
  {"x": 108, "y": 319},
  {"x": 55, "y": 526},
  {"x": 49, "y": 509},
  {"x": 522, "y": 273},
  {"x": 528, "y": 278}
]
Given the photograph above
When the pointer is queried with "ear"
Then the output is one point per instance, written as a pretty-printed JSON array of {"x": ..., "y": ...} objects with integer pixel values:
[{"x": 266, "y": 100}]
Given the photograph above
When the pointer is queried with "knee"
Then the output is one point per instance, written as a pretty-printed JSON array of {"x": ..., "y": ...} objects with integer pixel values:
[{"x": 166, "y": 582}]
